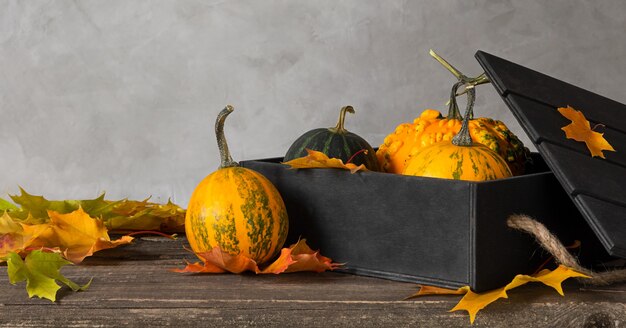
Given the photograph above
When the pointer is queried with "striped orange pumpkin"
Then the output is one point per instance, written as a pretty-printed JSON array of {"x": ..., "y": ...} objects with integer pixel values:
[
  {"x": 237, "y": 209},
  {"x": 447, "y": 160}
]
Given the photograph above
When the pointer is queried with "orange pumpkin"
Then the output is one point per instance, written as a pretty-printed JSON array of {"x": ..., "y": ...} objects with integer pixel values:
[
  {"x": 459, "y": 158},
  {"x": 236, "y": 208}
]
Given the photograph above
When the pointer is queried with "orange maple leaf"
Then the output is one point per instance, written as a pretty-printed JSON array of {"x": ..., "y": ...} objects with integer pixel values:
[
  {"x": 580, "y": 130},
  {"x": 76, "y": 234},
  {"x": 474, "y": 302},
  {"x": 318, "y": 160},
  {"x": 298, "y": 257}
]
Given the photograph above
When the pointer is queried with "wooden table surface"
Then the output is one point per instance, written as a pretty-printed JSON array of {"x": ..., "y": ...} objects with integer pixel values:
[{"x": 132, "y": 287}]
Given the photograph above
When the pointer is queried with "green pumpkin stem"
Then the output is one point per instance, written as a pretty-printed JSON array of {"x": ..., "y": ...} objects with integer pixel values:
[
  {"x": 463, "y": 138},
  {"x": 226, "y": 160},
  {"x": 469, "y": 82},
  {"x": 339, "y": 128},
  {"x": 447, "y": 65}
]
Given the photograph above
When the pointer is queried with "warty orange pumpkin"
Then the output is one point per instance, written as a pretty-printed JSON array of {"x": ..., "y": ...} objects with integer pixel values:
[
  {"x": 236, "y": 208},
  {"x": 431, "y": 127},
  {"x": 459, "y": 158}
]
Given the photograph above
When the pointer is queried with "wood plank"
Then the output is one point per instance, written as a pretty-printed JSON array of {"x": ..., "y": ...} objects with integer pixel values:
[
  {"x": 509, "y": 78},
  {"x": 141, "y": 292},
  {"x": 543, "y": 123},
  {"x": 581, "y": 174},
  {"x": 532, "y": 97},
  {"x": 607, "y": 217}
]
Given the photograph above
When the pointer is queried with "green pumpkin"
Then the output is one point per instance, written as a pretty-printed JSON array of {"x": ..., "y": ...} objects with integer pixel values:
[{"x": 336, "y": 142}]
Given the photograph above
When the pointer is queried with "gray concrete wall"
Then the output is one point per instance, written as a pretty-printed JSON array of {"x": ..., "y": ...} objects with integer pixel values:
[{"x": 121, "y": 96}]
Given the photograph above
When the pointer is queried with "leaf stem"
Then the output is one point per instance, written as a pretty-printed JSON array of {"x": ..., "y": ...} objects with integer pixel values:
[
  {"x": 152, "y": 232},
  {"x": 598, "y": 125},
  {"x": 355, "y": 154}
]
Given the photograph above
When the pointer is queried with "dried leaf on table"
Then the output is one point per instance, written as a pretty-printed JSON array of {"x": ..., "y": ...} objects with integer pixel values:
[
  {"x": 580, "y": 130},
  {"x": 15, "y": 236},
  {"x": 298, "y": 257},
  {"x": 319, "y": 160},
  {"x": 432, "y": 290},
  {"x": 218, "y": 261},
  {"x": 70, "y": 230},
  {"x": 306, "y": 259},
  {"x": 41, "y": 271},
  {"x": 7, "y": 206},
  {"x": 144, "y": 215},
  {"x": 474, "y": 302},
  {"x": 77, "y": 235},
  {"x": 119, "y": 215}
]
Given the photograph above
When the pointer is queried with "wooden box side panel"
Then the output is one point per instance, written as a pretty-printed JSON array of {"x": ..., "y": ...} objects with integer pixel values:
[
  {"x": 380, "y": 224},
  {"x": 501, "y": 252}
]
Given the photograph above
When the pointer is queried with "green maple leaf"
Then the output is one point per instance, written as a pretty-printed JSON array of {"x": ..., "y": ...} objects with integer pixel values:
[
  {"x": 36, "y": 208},
  {"x": 7, "y": 206},
  {"x": 117, "y": 215},
  {"x": 41, "y": 271}
]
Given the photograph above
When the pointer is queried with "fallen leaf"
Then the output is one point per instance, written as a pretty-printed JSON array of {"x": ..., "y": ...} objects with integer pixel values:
[
  {"x": 474, "y": 302},
  {"x": 296, "y": 258},
  {"x": 143, "y": 215},
  {"x": 305, "y": 259},
  {"x": 41, "y": 271},
  {"x": 119, "y": 215},
  {"x": 318, "y": 160},
  {"x": 15, "y": 236},
  {"x": 77, "y": 234},
  {"x": 432, "y": 290},
  {"x": 11, "y": 235},
  {"x": 7, "y": 206},
  {"x": 580, "y": 130},
  {"x": 218, "y": 261}
]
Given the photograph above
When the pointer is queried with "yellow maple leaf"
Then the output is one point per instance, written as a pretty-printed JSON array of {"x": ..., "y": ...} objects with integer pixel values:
[
  {"x": 318, "y": 160},
  {"x": 77, "y": 235},
  {"x": 580, "y": 130},
  {"x": 474, "y": 302}
]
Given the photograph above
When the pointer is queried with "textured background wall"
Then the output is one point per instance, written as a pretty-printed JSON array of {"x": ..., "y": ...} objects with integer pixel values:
[{"x": 122, "y": 95}]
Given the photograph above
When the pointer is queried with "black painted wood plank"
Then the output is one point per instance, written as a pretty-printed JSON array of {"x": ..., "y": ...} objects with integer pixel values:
[
  {"x": 533, "y": 98},
  {"x": 580, "y": 174},
  {"x": 608, "y": 217},
  {"x": 543, "y": 123},
  {"x": 509, "y": 77}
]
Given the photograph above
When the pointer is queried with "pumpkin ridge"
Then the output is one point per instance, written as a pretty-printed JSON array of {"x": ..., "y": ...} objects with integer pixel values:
[
  {"x": 254, "y": 207},
  {"x": 457, "y": 173},
  {"x": 280, "y": 225},
  {"x": 346, "y": 148},
  {"x": 474, "y": 166},
  {"x": 306, "y": 139}
]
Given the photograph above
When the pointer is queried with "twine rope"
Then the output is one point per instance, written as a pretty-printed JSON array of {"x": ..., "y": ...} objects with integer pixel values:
[{"x": 551, "y": 243}]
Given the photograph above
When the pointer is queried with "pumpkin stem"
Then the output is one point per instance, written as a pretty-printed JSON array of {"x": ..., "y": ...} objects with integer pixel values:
[
  {"x": 453, "y": 109},
  {"x": 226, "y": 160},
  {"x": 463, "y": 138},
  {"x": 469, "y": 82},
  {"x": 339, "y": 128}
]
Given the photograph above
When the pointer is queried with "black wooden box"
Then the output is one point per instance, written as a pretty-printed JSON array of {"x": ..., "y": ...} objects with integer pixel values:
[
  {"x": 453, "y": 233},
  {"x": 433, "y": 231}
]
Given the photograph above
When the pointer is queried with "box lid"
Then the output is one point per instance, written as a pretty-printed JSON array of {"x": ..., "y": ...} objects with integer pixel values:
[{"x": 597, "y": 186}]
